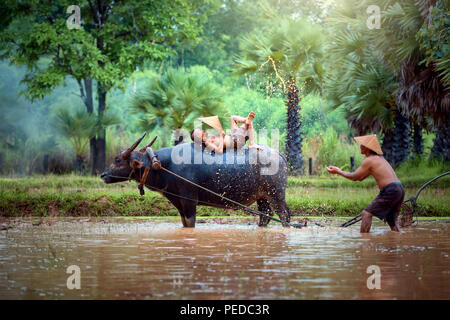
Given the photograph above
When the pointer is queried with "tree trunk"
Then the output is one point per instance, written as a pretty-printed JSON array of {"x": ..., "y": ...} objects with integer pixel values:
[
  {"x": 388, "y": 145},
  {"x": 101, "y": 93},
  {"x": 165, "y": 135},
  {"x": 93, "y": 153},
  {"x": 402, "y": 138},
  {"x": 101, "y": 134},
  {"x": 32, "y": 162},
  {"x": 396, "y": 144},
  {"x": 180, "y": 58},
  {"x": 79, "y": 165},
  {"x": 441, "y": 143},
  {"x": 89, "y": 102},
  {"x": 294, "y": 137},
  {"x": 45, "y": 164},
  {"x": 417, "y": 141},
  {"x": 1, "y": 162}
]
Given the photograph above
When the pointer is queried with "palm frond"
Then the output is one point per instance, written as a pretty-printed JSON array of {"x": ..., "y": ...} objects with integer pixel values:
[
  {"x": 443, "y": 66},
  {"x": 288, "y": 49},
  {"x": 174, "y": 99}
]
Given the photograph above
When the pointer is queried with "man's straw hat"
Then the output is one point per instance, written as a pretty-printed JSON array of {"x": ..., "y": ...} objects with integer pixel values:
[
  {"x": 213, "y": 122},
  {"x": 370, "y": 142}
]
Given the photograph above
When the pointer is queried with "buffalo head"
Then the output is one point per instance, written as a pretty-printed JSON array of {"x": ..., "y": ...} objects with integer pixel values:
[{"x": 124, "y": 163}]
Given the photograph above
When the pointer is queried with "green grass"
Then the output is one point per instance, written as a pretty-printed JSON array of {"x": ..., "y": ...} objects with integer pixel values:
[
  {"x": 73, "y": 195},
  {"x": 347, "y": 201},
  {"x": 413, "y": 174}
]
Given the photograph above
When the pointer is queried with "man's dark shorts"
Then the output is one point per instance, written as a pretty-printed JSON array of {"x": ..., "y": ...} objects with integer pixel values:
[{"x": 387, "y": 204}]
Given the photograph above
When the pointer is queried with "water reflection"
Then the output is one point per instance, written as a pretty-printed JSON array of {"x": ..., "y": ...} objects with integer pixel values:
[{"x": 154, "y": 260}]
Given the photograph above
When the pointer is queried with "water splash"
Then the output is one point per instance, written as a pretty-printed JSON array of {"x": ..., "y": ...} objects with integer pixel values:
[{"x": 277, "y": 75}]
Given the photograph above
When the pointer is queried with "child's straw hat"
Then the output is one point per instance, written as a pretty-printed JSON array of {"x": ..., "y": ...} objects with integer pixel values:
[{"x": 213, "y": 122}]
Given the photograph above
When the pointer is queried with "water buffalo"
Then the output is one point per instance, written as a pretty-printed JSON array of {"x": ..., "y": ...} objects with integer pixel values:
[{"x": 242, "y": 175}]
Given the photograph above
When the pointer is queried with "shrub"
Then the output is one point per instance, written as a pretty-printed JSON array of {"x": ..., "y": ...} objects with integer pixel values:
[{"x": 331, "y": 149}]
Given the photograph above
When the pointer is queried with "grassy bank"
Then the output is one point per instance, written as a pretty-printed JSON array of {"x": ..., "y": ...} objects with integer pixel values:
[{"x": 73, "y": 195}]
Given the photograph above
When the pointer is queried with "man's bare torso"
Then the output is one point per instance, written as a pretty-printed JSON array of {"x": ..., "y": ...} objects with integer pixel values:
[{"x": 381, "y": 170}]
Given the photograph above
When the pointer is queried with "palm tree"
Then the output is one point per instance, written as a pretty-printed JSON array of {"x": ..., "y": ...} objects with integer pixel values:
[
  {"x": 413, "y": 41},
  {"x": 441, "y": 143},
  {"x": 176, "y": 98},
  {"x": 409, "y": 45},
  {"x": 359, "y": 80},
  {"x": 289, "y": 54},
  {"x": 79, "y": 127}
]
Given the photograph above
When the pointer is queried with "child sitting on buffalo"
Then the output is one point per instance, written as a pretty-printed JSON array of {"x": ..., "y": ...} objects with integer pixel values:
[{"x": 237, "y": 139}]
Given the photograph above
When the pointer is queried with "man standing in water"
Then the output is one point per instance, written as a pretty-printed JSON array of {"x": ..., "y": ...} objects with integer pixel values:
[{"x": 386, "y": 205}]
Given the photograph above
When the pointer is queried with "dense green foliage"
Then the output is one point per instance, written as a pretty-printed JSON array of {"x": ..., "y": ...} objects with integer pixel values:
[
  {"x": 158, "y": 65},
  {"x": 433, "y": 39},
  {"x": 115, "y": 38},
  {"x": 176, "y": 98}
]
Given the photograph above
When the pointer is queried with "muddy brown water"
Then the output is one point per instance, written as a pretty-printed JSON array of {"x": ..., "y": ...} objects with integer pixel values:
[{"x": 161, "y": 260}]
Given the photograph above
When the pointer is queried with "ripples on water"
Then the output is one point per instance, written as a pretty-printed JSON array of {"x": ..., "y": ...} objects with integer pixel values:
[{"x": 155, "y": 260}]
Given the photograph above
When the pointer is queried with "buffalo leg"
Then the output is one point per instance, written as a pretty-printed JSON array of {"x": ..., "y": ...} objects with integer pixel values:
[
  {"x": 186, "y": 208},
  {"x": 282, "y": 209},
  {"x": 177, "y": 204},
  {"x": 190, "y": 221},
  {"x": 264, "y": 207},
  {"x": 189, "y": 213}
]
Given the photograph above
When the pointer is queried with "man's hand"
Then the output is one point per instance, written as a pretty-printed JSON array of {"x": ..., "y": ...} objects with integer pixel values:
[
  {"x": 333, "y": 170},
  {"x": 359, "y": 175}
]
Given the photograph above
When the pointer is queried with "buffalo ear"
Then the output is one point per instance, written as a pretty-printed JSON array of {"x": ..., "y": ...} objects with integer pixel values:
[{"x": 136, "y": 164}]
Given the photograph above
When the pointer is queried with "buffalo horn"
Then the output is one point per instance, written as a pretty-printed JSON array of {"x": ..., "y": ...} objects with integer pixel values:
[
  {"x": 149, "y": 145},
  {"x": 127, "y": 153}
]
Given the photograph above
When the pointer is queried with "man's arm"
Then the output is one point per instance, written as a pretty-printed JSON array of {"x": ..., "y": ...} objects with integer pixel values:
[{"x": 360, "y": 174}]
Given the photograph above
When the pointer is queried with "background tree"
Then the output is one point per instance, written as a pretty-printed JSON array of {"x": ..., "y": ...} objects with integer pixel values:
[
  {"x": 227, "y": 21},
  {"x": 413, "y": 43},
  {"x": 358, "y": 79},
  {"x": 115, "y": 38},
  {"x": 78, "y": 126},
  {"x": 413, "y": 94},
  {"x": 374, "y": 84},
  {"x": 219, "y": 42},
  {"x": 25, "y": 134},
  {"x": 176, "y": 98},
  {"x": 289, "y": 54},
  {"x": 433, "y": 41}
]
